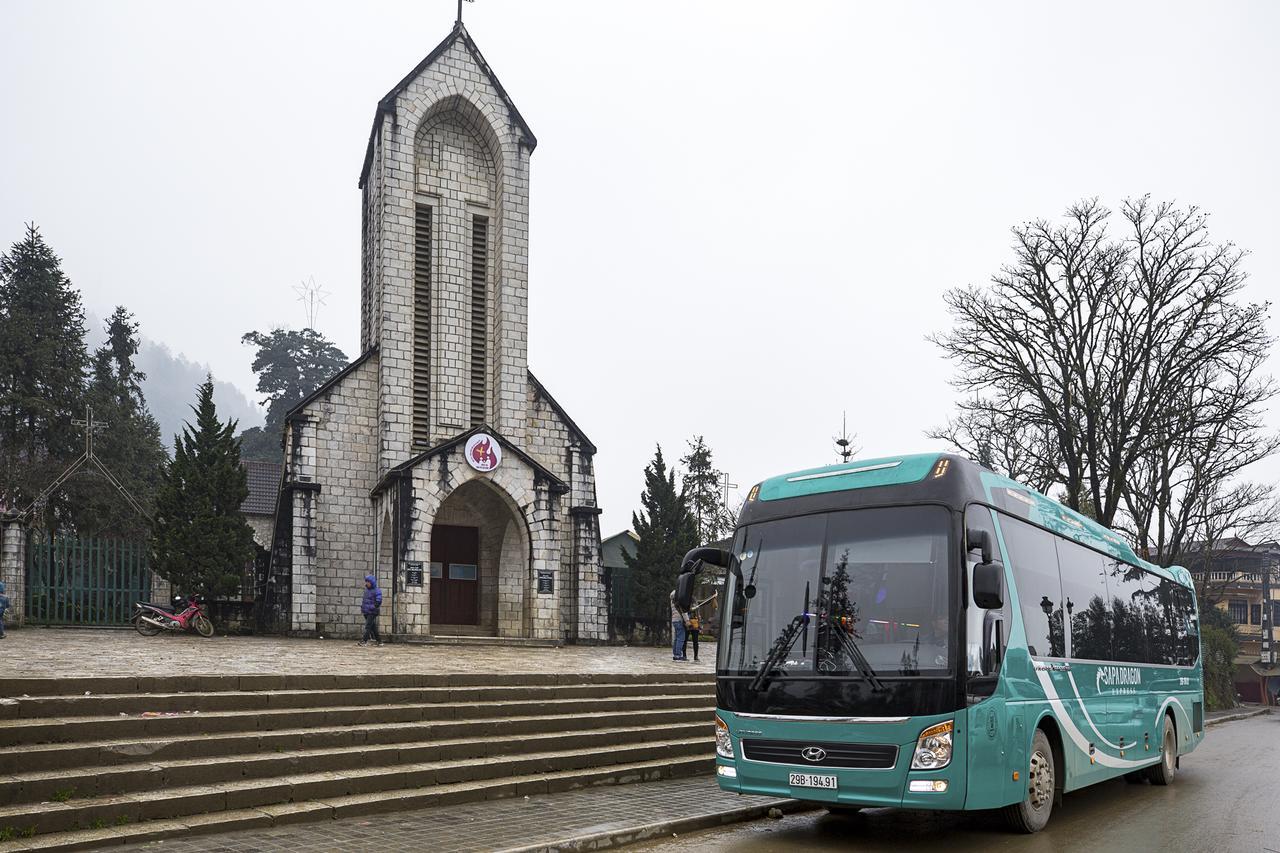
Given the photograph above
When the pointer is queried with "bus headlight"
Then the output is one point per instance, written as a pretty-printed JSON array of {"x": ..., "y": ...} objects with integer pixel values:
[
  {"x": 724, "y": 743},
  {"x": 933, "y": 748}
]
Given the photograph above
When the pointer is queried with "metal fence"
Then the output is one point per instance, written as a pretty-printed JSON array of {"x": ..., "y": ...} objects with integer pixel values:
[{"x": 85, "y": 581}]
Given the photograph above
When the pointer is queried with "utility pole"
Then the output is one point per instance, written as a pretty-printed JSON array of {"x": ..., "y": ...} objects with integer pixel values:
[{"x": 1268, "y": 659}]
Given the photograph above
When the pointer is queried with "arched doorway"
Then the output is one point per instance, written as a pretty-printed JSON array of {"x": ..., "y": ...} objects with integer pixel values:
[{"x": 479, "y": 564}]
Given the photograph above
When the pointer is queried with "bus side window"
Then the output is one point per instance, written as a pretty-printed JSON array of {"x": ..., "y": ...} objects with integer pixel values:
[
  {"x": 1035, "y": 571},
  {"x": 987, "y": 630}
]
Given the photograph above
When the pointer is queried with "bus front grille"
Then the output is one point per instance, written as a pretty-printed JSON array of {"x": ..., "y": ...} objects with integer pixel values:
[{"x": 865, "y": 756}]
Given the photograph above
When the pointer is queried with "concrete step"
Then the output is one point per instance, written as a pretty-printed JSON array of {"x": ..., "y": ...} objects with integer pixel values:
[
  {"x": 92, "y": 704},
  {"x": 62, "y": 730},
  {"x": 478, "y": 640},
  {"x": 114, "y": 834},
  {"x": 35, "y": 686},
  {"x": 87, "y": 782},
  {"x": 338, "y": 787},
  {"x": 112, "y": 753}
]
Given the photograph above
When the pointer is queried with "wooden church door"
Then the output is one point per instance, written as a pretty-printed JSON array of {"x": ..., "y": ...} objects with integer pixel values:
[{"x": 455, "y": 575}]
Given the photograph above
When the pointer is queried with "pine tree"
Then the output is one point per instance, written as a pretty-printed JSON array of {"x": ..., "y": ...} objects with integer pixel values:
[
  {"x": 130, "y": 447},
  {"x": 701, "y": 483},
  {"x": 42, "y": 372},
  {"x": 666, "y": 531},
  {"x": 201, "y": 541},
  {"x": 290, "y": 365}
]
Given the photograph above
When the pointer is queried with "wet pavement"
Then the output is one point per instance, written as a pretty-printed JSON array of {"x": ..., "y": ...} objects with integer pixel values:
[
  {"x": 73, "y": 652},
  {"x": 1224, "y": 800}
]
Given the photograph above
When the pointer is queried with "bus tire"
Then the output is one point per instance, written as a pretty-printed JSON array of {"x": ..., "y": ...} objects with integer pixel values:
[
  {"x": 1163, "y": 773},
  {"x": 1033, "y": 812}
]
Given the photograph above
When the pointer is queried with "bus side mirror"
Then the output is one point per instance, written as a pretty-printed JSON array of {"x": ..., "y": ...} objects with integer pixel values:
[
  {"x": 979, "y": 540},
  {"x": 988, "y": 585},
  {"x": 713, "y": 556},
  {"x": 684, "y": 589}
]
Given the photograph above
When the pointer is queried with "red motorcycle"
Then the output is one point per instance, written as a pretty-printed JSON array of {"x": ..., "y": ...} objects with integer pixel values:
[{"x": 151, "y": 619}]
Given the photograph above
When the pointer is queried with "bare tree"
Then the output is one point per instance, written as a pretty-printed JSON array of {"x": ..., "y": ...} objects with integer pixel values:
[
  {"x": 1125, "y": 370},
  {"x": 1248, "y": 512},
  {"x": 1003, "y": 439}
]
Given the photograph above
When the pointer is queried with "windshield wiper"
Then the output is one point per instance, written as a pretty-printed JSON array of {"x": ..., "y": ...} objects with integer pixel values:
[
  {"x": 850, "y": 647},
  {"x": 798, "y": 626}
]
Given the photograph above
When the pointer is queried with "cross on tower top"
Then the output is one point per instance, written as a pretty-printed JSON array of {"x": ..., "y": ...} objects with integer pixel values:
[{"x": 459, "y": 21}]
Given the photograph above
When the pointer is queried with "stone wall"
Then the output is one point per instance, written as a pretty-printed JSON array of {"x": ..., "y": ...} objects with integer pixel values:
[
  {"x": 13, "y": 542},
  {"x": 263, "y": 529},
  {"x": 564, "y": 451},
  {"x": 333, "y": 443}
]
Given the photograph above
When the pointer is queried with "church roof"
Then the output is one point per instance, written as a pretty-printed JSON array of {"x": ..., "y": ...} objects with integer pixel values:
[
  {"x": 559, "y": 409},
  {"x": 264, "y": 486},
  {"x": 329, "y": 383},
  {"x": 557, "y": 485},
  {"x": 388, "y": 102}
]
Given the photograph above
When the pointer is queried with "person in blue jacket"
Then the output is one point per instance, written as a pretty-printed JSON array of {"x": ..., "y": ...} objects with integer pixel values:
[
  {"x": 4, "y": 605},
  {"x": 371, "y": 606}
]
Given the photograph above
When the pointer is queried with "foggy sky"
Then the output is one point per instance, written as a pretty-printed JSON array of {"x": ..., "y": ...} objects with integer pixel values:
[{"x": 743, "y": 214}]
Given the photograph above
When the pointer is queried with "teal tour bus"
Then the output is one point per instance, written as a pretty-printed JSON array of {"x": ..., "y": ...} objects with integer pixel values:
[{"x": 920, "y": 632}]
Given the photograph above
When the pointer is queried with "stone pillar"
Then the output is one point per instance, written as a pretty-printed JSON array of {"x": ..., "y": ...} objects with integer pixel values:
[
  {"x": 592, "y": 606},
  {"x": 13, "y": 552},
  {"x": 544, "y": 525}
]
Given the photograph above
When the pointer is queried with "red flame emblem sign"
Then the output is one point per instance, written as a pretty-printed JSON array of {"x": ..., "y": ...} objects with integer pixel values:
[{"x": 483, "y": 452}]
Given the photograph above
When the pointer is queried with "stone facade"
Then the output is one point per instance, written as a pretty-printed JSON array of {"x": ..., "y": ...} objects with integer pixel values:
[
  {"x": 13, "y": 541},
  {"x": 375, "y": 458}
]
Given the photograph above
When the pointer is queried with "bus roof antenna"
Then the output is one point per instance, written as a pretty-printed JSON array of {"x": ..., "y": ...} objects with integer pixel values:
[{"x": 844, "y": 441}]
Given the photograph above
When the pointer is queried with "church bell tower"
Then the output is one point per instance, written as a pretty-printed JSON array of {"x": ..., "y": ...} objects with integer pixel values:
[{"x": 445, "y": 188}]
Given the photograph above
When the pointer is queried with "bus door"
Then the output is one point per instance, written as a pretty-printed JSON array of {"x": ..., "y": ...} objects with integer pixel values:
[{"x": 996, "y": 737}]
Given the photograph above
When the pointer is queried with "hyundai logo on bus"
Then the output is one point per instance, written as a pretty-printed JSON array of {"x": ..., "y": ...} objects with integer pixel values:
[
  {"x": 1118, "y": 676},
  {"x": 813, "y": 753}
]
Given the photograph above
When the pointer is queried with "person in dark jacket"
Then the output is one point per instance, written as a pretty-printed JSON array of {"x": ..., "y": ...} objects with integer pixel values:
[
  {"x": 371, "y": 606},
  {"x": 4, "y": 605}
]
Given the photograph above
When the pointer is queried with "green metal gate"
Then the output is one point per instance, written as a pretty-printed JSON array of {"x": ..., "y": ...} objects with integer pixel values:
[{"x": 85, "y": 581}]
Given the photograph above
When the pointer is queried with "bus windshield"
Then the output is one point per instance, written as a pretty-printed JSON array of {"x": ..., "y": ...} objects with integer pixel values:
[{"x": 874, "y": 583}]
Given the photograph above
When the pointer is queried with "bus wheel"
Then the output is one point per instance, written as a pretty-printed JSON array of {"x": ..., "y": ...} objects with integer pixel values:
[
  {"x": 1032, "y": 813},
  {"x": 1162, "y": 773}
]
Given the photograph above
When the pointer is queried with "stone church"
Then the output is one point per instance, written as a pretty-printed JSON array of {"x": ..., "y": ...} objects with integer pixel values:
[{"x": 436, "y": 459}]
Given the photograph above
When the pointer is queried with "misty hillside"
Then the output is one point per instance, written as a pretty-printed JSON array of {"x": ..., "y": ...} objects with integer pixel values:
[{"x": 170, "y": 387}]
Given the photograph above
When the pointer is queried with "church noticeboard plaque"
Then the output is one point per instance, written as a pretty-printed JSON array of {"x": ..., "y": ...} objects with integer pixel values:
[
  {"x": 546, "y": 582},
  {"x": 413, "y": 574}
]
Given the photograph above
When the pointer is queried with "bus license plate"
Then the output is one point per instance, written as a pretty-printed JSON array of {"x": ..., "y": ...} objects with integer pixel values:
[{"x": 812, "y": 780}]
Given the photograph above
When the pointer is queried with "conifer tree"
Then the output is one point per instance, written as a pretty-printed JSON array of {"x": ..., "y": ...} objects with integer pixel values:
[
  {"x": 42, "y": 371},
  {"x": 130, "y": 447},
  {"x": 701, "y": 482},
  {"x": 666, "y": 531},
  {"x": 201, "y": 541},
  {"x": 290, "y": 365}
]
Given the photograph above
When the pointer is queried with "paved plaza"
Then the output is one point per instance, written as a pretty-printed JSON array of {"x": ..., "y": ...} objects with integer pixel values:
[
  {"x": 571, "y": 820},
  {"x": 80, "y": 652}
]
